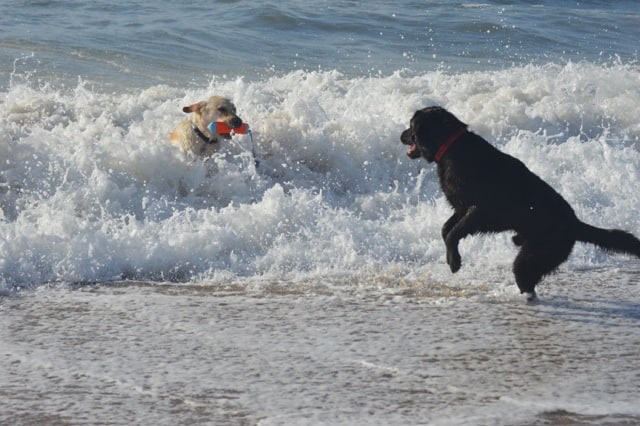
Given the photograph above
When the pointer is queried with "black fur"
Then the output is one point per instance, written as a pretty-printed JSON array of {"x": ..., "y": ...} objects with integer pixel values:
[{"x": 491, "y": 191}]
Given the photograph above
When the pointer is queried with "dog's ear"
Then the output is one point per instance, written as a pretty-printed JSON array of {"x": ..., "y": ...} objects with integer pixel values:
[{"x": 194, "y": 108}]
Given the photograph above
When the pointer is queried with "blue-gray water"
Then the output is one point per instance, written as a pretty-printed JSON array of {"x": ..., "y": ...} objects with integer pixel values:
[
  {"x": 141, "y": 43},
  {"x": 141, "y": 286}
]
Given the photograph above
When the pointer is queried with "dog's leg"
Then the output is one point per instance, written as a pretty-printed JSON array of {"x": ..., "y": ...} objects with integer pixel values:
[
  {"x": 466, "y": 225},
  {"x": 537, "y": 259},
  {"x": 450, "y": 223}
]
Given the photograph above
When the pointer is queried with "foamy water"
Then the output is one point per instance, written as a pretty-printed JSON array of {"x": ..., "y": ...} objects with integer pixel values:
[{"x": 93, "y": 192}]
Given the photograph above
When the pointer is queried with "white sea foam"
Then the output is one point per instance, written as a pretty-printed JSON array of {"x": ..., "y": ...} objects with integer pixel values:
[{"x": 92, "y": 191}]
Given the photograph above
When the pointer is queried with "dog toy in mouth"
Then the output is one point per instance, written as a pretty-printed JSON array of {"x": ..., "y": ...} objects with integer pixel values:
[{"x": 222, "y": 128}]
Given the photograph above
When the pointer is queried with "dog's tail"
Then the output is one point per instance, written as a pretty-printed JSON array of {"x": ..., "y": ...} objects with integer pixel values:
[{"x": 614, "y": 240}]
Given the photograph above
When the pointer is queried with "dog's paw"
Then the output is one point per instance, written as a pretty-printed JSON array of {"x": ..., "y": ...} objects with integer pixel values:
[
  {"x": 454, "y": 260},
  {"x": 531, "y": 297}
]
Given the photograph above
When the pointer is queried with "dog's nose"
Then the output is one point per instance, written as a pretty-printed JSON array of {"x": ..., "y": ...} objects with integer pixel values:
[
  {"x": 235, "y": 122},
  {"x": 405, "y": 137}
]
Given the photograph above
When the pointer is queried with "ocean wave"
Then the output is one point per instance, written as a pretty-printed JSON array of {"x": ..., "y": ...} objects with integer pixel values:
[{"x": 90, "y": 189}]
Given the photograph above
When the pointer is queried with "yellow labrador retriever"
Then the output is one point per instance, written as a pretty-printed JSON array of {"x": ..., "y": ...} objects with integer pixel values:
[{"x": 192, "y": 135}]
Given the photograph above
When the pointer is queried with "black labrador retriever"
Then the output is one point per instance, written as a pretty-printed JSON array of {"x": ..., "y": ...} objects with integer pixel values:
[{"x": 491, "y": 191}]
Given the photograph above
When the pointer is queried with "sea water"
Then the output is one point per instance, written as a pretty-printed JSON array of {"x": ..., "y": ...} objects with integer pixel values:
[{"x": 140, "y": 285}]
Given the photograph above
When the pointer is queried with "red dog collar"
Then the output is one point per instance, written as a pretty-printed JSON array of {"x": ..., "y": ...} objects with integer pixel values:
[{"x": 447, "y": 144}]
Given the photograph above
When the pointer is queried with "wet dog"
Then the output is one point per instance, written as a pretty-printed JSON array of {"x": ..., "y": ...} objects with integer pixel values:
[
  {"x": 491, "y": 192},
  {"x": 192, "y": 135}
]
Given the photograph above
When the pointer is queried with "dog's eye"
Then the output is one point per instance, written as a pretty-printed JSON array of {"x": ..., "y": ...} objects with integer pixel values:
[{"x": 222, "y": 110}]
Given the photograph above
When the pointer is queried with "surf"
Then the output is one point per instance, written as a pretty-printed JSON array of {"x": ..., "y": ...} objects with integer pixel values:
[{"x": 91, "y": 190}]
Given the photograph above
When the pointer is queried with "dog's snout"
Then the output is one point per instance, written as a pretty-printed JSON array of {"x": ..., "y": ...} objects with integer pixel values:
[
  {"x": 406, "y": 138},
  {"x": 235, "y": 122}
]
